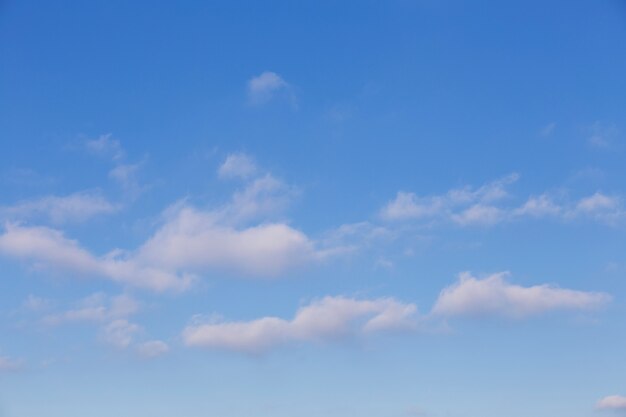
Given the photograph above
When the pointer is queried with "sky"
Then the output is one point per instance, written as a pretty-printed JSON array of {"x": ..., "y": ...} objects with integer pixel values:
[{"x": 401, "y": 208}]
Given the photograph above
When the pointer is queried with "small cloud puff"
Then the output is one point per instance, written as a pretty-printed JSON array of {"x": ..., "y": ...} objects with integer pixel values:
[
  {"x": 612, "y": 402},
  {"x": 266, "y": 86}
]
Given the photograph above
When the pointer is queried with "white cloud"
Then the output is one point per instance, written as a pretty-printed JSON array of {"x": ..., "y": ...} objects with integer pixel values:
[
  {"x": 487, "y": 206},
  {"x": 599, "y": 206},
  {"x": 495, "y": 296},
  {"x": 75, "y": 207},
  {"x": 50, "y": 248},
  {"x": 119, "y": 333},
  {"x": 538, "y": 206},
  {"x": 105, "y": 145},
  {"x": 237, "y": 165},
  {"x": 97, "y": 307},
  {"x": 479, "y": 214},
  {"x": 612, "y": 402},
  {"x": 325, "y": 320},
  {"x": 194, "y": 239},
  {"x": 152, "y": 349},
  {"x": 408, "y": 206},
  {"x": 266, "y": 86}
]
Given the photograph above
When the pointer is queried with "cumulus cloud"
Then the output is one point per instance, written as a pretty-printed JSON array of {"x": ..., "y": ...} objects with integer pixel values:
[
  {"x": 326, "y": 320},
  {"x": 237, "y": 165},
  {"x": 152, "y": 349},
  {"x": 195, "y": 239},
  {"x": 75, "y": 207},
  {"x": 266, "y": 86},
  {"x": 493, "y": 295},
  {"x": 612, "y": 402},
  {"x": 190, "y": 241},
  {"x": 97, "y": 307},
  {"x": 47, "y": 247}
]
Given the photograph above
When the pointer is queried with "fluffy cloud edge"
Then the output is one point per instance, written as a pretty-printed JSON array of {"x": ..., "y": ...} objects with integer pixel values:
[
  {"x": 494, "y": 295},
  {"x": 612, "y": 402},
  {"x": 322, "y": 321}
]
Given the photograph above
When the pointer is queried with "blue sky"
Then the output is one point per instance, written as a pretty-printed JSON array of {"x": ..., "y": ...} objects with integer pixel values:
[{"x": 338, "y": 208}]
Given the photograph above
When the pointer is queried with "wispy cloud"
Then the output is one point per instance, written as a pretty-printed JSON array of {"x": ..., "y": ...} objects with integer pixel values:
[
  {"x": 49, "y": 248},
  {"x": 123, "y": 172},
  {"x": 72, "y": 208},
  {"x": 238, "y": 165},
  {"x": 602, "y": 135},
  {"x": 120, "y": 333},
  {"x": 326, "y": 320},
  {"x": 97, "y": 308},
  {"x": 8, "y": 364},
  {"x": 105, "y": 145},
  {"x": 152, "y": 349},
  {"x": 491, "y": 204},
  {"x": 456, "y": 202}
]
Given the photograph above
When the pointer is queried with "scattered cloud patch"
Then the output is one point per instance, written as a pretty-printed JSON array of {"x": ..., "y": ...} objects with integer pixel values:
[
  {"x": 263, "y": 197},
  {"x": 126, "y": 176},
  {"x": 96, "y": 308},
  {"x": 474, "y": 203},
  {"x": 326, "y": 320},
  {"x": 612, "y": 402},
  {"x": 489, "y": 205},
  {"x": 49, "y": 248},
  {"x": 106, "y": 145},
  {"x": 73, "y": 208},
  {"x": 36, "y": 304},
  {"x": 479, "y": 214},
  {"x": 237, "y": 165},
  {"x": 494, "y": 295},
  {"x": 268, "y": 85},
  {"x": 197, "y": 240},
  {"x": 119, "y": 333},
  {"x": 152, "y": 349}
]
